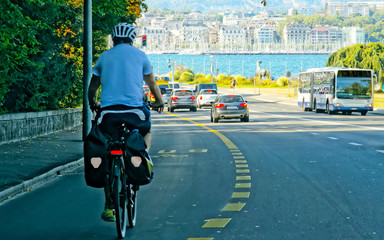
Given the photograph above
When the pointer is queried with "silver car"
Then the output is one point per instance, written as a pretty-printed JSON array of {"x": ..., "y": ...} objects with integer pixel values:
[
  {"x": 229, "y": 106},
  {"x": 206, "y": 97},
  {"x": 182, "y": 98}
]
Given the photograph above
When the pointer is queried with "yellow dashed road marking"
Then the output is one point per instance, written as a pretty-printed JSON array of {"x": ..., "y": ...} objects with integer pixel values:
[
  {"x": 235, "y": 150},
  {"x": 242, "y": 171},
  {"x": 216, "y": 223},
  {"x": 240, "y": 194},
  {"x": 241, "y": 165},
  {"x": 243, "y": 185},
  {"x": 163, "y": 151},
  {"x": 237, "y": 153},
  {"x": 238, "y": 157},
  {"x": 233, "y": 207},
  {"x": 240, "y": 161},
  {"x": 243, "y": 178},
  {"x": 198, "y": 150}
]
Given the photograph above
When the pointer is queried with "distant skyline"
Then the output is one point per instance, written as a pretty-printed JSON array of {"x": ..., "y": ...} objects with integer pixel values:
[{"x": 220, "y": 5}]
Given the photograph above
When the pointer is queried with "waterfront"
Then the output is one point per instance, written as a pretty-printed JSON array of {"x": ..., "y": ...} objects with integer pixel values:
[{"x": 244, "y": 65}]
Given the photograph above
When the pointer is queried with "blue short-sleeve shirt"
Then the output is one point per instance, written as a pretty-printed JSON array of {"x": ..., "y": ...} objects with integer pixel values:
[{"x": 121, "y": 69}]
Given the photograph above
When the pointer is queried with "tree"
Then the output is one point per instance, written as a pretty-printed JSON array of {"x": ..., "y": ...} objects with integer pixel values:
[
  {"x": 42, "y": 53},
  {"x": 366, "y": 56}
]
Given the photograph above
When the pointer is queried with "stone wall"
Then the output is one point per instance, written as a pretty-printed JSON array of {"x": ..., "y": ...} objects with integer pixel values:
[{"x": 21, "y": 126}]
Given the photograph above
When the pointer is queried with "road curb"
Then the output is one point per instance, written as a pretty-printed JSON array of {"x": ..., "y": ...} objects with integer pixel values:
[{"x": 28, "y": 185}]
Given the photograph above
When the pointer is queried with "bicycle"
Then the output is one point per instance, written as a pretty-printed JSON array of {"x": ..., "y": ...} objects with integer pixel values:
[{"x": 124, "y": 195}]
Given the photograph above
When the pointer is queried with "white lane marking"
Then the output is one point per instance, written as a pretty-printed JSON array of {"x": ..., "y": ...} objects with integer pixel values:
[
  {"x": 355, "y": 144},
  {"x": 320, "y": 121},
  {"x": 314, "y": 133},
  {"x": 380, "y": 151},
  {"x": 333, "y": 138}
]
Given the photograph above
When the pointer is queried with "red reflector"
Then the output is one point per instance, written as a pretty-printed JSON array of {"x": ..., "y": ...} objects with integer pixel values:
[
  {"x": 174, "y": 98},
  {"x": 201, "y": 97},
  {"x": 219, "y": 105},
  {"x": 243, "y": 105},
  {"x": 192, "y": 98},
  {"x": 117, "y": 152},
  {"x": 230, "y": 95},
  {"x": 183, "y": 90},
  {"x": 209, "y": 91}
]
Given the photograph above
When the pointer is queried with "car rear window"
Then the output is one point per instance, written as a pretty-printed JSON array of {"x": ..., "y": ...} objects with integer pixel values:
[
  {"x": 230, "y": 99},
  {"x": 209, "y": 92},
  {"x": 183, "y": 93}
]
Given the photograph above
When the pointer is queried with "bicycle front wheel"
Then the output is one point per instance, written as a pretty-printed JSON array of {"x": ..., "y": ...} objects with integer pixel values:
[{"x": 120, "y": 199}]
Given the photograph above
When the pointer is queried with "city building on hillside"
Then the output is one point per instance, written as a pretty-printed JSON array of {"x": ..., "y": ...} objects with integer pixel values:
[
  {"x": 326, "y": 35},
  {"x": 231, "y": 36},
  {"x": 353, "y": 35},
  {"x": 297, "y": 34},
  {"x": 231, "y": 20},
  {"x": 301, "y": 11},
  {"x": 266, "y": 33},
  {"x": 157, "y": 37},
  {"x": 350, "y": 8},
  {"x": 194, "y": 33}
]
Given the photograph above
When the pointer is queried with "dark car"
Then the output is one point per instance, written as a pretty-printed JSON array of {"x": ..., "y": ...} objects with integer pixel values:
[
  {"x": 229, "y": 106},
  {"x": 182, "y": 98},
  {"x": 201, "y": 86}
]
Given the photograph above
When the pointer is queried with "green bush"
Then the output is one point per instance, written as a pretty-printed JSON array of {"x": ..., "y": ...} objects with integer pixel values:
[
  {"x": 283, "y": 82},
  {"x": 186, "y": 77}
]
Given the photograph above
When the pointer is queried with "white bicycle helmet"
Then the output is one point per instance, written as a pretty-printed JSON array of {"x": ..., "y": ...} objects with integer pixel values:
[{"x": 124, "y": 30}]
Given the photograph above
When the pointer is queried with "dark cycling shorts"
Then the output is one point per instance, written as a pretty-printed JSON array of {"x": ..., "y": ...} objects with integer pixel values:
[{"x": 112, "y": 117}]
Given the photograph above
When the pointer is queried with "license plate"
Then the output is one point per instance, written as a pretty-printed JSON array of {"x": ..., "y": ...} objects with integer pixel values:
[{"x": 231, "y": 107}]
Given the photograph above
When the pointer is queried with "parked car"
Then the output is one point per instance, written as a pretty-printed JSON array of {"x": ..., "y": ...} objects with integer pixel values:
[
  {"x": 206, "y": 97},
  {"x": 201, "y": 86},
  {"x": 182, "y": 98},
  {"x": 229, "y": 106}
]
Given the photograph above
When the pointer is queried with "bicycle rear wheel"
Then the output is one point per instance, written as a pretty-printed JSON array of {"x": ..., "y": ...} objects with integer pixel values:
[
  {"x": 132, "y": 206},
  {"x": 121, "y": 201}
]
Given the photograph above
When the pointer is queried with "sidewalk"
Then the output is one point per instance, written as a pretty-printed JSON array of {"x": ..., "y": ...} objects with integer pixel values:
[{"x": 24, "y": 164}]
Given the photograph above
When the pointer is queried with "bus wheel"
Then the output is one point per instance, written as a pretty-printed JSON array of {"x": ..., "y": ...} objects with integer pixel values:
[
  {"x": 327, "y": 110},
  {"x": 363, "y": 113},
  {"x": 316, "y": 109}
]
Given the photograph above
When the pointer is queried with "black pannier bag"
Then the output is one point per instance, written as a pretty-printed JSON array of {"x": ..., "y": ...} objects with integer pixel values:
[
  {"x": 135, "y": 147},
  {"x": 95, "y": 157}
]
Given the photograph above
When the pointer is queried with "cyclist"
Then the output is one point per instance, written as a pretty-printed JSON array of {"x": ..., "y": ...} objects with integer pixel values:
[{"x": 120, "y": 71}]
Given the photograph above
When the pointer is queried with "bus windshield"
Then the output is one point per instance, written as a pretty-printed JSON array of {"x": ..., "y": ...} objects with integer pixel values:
[{"x": 353, "y": 87}]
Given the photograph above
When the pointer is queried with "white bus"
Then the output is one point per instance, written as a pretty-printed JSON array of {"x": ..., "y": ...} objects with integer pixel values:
[{"x": 335, "y": 89}]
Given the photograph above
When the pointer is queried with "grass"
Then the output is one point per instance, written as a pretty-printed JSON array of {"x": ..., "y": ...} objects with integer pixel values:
[{"x": 378, "y": 99}]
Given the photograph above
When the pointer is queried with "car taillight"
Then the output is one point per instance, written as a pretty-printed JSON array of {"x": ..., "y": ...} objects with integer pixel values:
[
  {"x": 244, "y": 105},
  {"x": 174, "y": 98},
  {"x": 193, "y": 98},
  {"x": 219, "y": 105},
  {"x": 201, "y": 97}
]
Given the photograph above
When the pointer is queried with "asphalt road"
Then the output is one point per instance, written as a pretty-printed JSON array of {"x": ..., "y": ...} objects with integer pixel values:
[{"x": 286, "y": 174}]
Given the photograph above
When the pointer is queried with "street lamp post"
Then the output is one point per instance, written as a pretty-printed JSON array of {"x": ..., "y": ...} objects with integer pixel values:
[
  {"x": 211, "y": 68},
  {"x": 169, "y": 67},
  {"x": 87, "y": 66}
]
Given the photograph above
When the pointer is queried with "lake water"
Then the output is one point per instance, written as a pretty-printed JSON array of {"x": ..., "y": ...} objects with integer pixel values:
[{"x": 244, "y": 65}]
